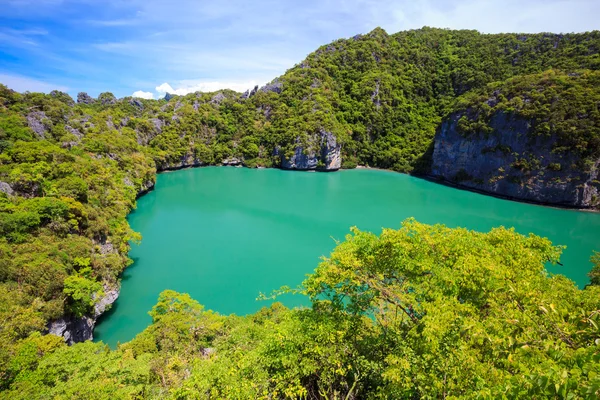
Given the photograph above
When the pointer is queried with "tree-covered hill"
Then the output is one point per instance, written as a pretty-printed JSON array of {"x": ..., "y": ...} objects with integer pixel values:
[{"x": 70, "y": 171}]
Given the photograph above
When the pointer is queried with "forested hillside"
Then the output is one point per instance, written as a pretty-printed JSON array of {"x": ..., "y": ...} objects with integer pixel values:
[{"x": 70, "y": 171}]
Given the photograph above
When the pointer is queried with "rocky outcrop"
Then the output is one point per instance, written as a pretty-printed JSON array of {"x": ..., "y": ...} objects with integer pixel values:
[
  {"x": 110, "y": 296},
  {"x": 324, "y": 154},
  {"x": 144, "y": 136},
  {"x": 276, "y": 86},
  {"x": 512, "y": 162},
  {"x": 249, "y": 93},
  {"x": 145, "y": 188},
  {"x": 84, "y": 98},
  {"x": 136, "y": 103},
  {"x": 73, "y": 329},
  {"x": 36, "y": 120},
  {"x": 6, "y": 188},
  {"x": 216, "y": 99},
  {"x": 79, "y": 329},
  {"x": 232, "y": 162}
]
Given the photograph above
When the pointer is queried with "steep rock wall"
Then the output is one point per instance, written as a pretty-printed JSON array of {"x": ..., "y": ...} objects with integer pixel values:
[
  {"x": 512, "y": 162},
  {"x": 324, "y": 154}
]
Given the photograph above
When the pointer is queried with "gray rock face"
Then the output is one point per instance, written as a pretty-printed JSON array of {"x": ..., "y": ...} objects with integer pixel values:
[
  {"x": 136, "y": 103},
  {"x": 325, "y": 155},
  {"x": 144, "y": 137},
  {"x": 216, "y": 99},
  {"x": 74, "y": 131},
  {"x": 232, "y": 161},
  {"x": 110, "y": 296},
  {"x": 6, "y": 188},
  {"x": 275, "y": 86},
  {"x": 146, "y": 187},
  {"x": 249, "y": 93},
  {"x": 513, "y": 163},
  {"x": 169, "y": 96},
  {"x": 73, "y": 330},
  {"x": 35, "y": 120},
  {"x": 84, "y": 98}
]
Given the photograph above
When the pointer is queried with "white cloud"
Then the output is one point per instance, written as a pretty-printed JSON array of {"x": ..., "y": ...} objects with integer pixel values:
[
  {"x": 24, "y": 84},
  {"x": 143, "y": 95},
  {"x": 186, "y": 87}
]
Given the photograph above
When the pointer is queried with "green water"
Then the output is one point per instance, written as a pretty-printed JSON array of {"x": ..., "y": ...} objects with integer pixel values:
[{"x": 225, "y": 234}]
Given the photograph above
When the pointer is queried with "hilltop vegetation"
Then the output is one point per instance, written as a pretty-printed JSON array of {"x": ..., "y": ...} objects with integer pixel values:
[{"x": 70, "y": 172}]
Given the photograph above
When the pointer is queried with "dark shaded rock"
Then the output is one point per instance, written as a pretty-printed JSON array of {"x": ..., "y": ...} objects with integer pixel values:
[
  {"x": 275, "y": 86},
  {"x": 6, "y": 188},
  {"x": 249, "y": 93},
  {"x": 169, "y": 96},
  {"x": 146, "y": 187},
  {"x": 73, "y": 329},
  {"x": 79, "y": 329},
  {"x": 37, "y": 121},
  {"x": 511, "y": 162},
  {"x": 324, "y": 155},
  {"x": 84, "y": 98},
  {"x": 136, "y": 103}
]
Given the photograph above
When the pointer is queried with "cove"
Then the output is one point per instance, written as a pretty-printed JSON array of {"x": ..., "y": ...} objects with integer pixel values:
[{"x": 225, "y": 234}]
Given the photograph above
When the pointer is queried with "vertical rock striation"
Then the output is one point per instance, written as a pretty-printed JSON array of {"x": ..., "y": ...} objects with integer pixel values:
[
  {"x": 324, "y": 153},
  {"x": 512, "y": 162}
]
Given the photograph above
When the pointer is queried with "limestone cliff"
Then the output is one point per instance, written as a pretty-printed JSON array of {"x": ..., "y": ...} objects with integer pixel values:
[
  {"x": 324, "y": 153},
  {"x": 512, "y": 162}
]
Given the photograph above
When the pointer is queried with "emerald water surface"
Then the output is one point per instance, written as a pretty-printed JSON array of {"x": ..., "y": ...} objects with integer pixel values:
[{"x": 224, "y": 234}]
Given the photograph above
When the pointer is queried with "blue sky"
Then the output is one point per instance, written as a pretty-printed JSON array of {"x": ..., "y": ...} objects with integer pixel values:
[{"x": 152, "y": 46}]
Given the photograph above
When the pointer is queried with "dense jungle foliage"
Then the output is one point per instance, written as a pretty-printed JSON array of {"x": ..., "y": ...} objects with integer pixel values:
[{"x": 422, "y": 312}]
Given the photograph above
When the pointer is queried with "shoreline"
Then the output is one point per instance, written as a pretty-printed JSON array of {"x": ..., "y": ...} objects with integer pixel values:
[{"x": 427, "y": 177}]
